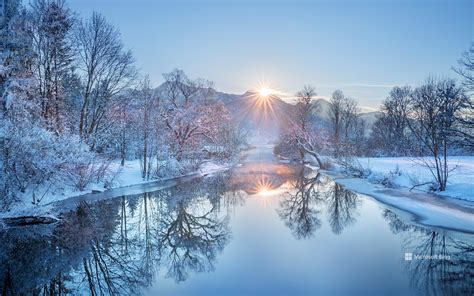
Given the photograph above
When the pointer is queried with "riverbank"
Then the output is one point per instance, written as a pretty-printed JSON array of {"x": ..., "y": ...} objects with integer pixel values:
[
  {"x": 127, "y": 180},
  {"x": 425, "y": 208},
  {"x": 404, "y": 172}
]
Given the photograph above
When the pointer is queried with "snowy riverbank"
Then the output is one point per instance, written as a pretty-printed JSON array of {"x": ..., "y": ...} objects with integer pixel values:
[
  {"x": 453, "y": 209},
  {"x": 401, "y": 172},
  {"x": 125, "y": 176}
]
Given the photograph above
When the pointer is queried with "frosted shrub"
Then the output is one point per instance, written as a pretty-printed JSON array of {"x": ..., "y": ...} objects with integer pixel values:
[{"x": 35, "y": 157}]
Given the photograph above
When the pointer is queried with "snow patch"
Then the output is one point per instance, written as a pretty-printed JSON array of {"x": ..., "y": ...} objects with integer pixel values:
[{"x": 394, "y": 172}]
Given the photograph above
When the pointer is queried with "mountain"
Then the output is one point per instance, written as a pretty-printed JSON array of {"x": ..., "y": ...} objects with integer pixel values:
[
  {"x": 244, "y": 108},
  {"x": 267, "y": 116}
]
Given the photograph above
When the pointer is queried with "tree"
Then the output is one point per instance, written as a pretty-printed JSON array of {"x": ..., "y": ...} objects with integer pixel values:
[
  {"x": 106, "y": 69},
  {"x": 466, "y": 68},
  {"x": 347, "y": 128},
  {"x": 53, "y": 51},
  {"x": 391, "y": 132},
  {"x": 18, "y": 104},
  {"x": 436, "y": 108},
  {"x": 191, "y": 235},
  {"x": 302, "y": 132},
  {"x": 149, "y": 102},
  {"x": 335, "y": 115},
  {"x": 341, "y": 206},
  {"x": 465, "y": 132},
  {"x": 190, "y": 115}
]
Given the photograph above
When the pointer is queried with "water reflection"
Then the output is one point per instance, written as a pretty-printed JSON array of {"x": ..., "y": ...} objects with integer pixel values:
[
  {"x": 299, "y": 207},
  {"x": 79, "y": 256},
  {"x": 446, "y": 266},
  {"x": 310, "y": 193},
  {"x": 341, "y": 206},
  {"x": 190, "y": 236},
  {"x": 122, "y": 245}
]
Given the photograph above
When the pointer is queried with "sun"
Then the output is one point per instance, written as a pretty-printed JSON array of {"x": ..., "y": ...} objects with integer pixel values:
[
  {"x": 265, "y": 92},
  {"x": 263, "y": 186}
]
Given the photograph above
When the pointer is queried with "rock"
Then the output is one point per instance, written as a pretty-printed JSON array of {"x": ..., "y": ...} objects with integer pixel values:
[{"x": 29, "y": 220}]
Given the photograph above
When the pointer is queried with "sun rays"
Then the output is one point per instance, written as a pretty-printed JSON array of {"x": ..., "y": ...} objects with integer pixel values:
[{"x": 263, "y": 186}]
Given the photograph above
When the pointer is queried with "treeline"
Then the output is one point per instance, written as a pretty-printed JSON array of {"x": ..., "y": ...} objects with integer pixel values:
[
  {"x": 72, "y": 101},
  {"x": 427, "y": 124}
]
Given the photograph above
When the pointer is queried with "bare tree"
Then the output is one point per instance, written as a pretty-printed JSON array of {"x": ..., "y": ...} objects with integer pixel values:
[
  {"x": 390, "y": 132},
  {"x": 300, "y": 208},
  {"x": 335, "y": 114},
  {"x": 465, "y": 132},
  {"x": 435, "y": 108},
  {"x": 302, "y": 132},
  {"x": 341, "y": 206},
  {"x": 149, "y": 103},
  {"x": 346, "y": 125},
  {"x": 466, "y": 68},
  {"x": 106, "y": 69},
  {"x": 190, "y": 237}
]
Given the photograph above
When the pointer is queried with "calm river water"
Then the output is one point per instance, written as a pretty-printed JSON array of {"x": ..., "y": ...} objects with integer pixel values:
[{"x": 263, "y": 228}]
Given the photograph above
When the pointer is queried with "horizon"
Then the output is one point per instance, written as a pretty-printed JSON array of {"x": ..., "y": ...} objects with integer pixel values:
[{"x": 276, "y": 43}]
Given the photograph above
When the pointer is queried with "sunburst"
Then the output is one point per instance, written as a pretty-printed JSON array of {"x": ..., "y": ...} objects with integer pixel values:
[{"x": 263, "y": 186}]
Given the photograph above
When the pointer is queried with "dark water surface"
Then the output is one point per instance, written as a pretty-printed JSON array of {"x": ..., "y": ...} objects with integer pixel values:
[{"x": 263, "y": 228}]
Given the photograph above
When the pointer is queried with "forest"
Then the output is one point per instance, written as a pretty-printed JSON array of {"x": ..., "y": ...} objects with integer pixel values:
[{"x": 73, "y": 102}]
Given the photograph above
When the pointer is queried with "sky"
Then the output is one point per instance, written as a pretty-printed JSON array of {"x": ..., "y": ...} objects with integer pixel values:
[{"x": 361, "y": 47}]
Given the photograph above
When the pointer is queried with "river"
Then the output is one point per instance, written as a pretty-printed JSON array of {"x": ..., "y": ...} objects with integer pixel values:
[{"x": 263, "y": 228}]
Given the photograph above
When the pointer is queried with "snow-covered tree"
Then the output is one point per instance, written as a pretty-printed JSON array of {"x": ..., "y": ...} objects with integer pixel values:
[
  {"x": 346, "y": 127},
  {"x": 52, "y": 24},
  {"x": 190, "y": 115},
  {"x": 106, "y": 69},
  {"x": 37, "y": 158},
  {"x": 302, "y": 133}
]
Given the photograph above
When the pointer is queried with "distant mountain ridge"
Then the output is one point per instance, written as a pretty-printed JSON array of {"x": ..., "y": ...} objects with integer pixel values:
[{"x": 245, "y": 108}]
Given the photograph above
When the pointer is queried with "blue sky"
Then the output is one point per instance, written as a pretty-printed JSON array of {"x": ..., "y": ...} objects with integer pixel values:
[{"x": 361, "y": 47}]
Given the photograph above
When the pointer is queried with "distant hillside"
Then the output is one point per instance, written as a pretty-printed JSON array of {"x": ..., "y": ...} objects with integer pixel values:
[{"x": 246, "y": 109}]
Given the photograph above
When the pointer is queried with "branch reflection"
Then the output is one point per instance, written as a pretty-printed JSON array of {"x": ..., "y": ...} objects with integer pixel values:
[
  {"x": 299, "y": 207},
  {"x": 452, "y": 273}
]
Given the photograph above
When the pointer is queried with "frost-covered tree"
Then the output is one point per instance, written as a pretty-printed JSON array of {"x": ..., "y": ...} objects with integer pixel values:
[
  {"x": 18, "y": 104},
  {"x": 346, "y": 127},
  {"x": 191, "y": 116},
  {"x": 37, "y": 158},
  {"x": 335, "y": 114},
  {"x": 52, "y": 24},
  {"x": 149, "y": 103},
  {"x": 302, "y": 132},
  {"x": 106, "y": 69}
]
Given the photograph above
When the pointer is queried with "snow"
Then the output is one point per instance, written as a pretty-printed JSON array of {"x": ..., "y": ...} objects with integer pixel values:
[
  {"x": 427, "y": 209},
  {"x": 128, "y": 175},
  {"x": 210, "y": 167},
  {"x": 452, "y": 209},
  {"x": 404, "y": 172}
]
